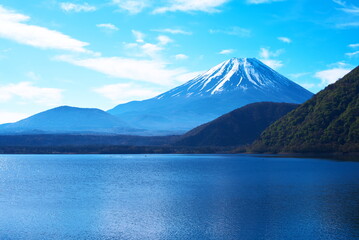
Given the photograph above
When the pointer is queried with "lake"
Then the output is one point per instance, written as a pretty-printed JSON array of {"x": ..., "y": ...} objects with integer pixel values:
[{"x": 177, "y": 197}]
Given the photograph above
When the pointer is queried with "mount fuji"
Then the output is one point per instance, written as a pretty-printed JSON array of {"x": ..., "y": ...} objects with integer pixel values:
[{"x": 225, "y": 87}]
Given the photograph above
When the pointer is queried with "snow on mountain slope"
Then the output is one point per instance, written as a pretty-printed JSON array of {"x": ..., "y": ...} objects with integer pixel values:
[{"x": 234, "y": 74}]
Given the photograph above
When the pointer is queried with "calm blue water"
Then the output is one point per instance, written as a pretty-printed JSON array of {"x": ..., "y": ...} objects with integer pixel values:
[{"x": 177, "y": 197}]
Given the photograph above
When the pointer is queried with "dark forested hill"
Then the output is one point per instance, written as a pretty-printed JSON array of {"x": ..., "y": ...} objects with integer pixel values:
[
  {"x": 328, "y": 122},
  {"x": 239, "y": 127}
]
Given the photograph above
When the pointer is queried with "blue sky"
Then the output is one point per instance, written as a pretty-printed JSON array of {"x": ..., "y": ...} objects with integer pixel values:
[{"x": 101, "y": 53}]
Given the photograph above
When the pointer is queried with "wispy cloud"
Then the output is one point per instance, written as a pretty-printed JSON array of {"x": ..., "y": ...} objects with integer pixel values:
[
  {"x": 340, "y": 2},
  {"x": 263, "y": 1},
  {"x": 153, "y": 71},
  {"x": 131, "y": 6},
  {"x": 347, "y": 25},
  {"x": 141, "y": 48},
  {"x": 33, "y": 76},
  {"x": 209, "y": 6},
  {"x": 298, "y": 75},
  {"x": 234, "y": 31},
  {"x": 352, "y": 54},
  {"x": 73, "y": 7},
  {"x": 26, "y": 91},
  {"x": 267, "y": 53},
  {"x": 330, "y": 76},
  {"x": 139, "y": 36},
  {"x": 284, "y": 39},
  {"x": 348, "y": 8},
  {"x": 352, "y": 13},
  {"x": 172, "y": 31},
  {"x": 124, "y": 92},
  {"x": 226, "y": 51},
  {"x": 354, "y": 10},
  {"x": 308, "y": 85},
  {"x": 188, "y": 76},
  {"x": 144, "y": 49},
  {"x": 13, "y": 26},
  {"x": 108, "y": 26},
  {"x": 181, "y": 57},
  {"x": 266, "y": 56},
  {"x": 164, "y": 40},
  {"x": 354, "y": 45},
  {"x": 272, "y": 63}
]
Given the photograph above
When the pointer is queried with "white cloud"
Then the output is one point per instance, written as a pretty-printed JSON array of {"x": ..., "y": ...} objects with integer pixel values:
[
  {"x": 172, "y": 31},
  {"x": 181, "y": 57},
  {"x": 340, "y": 2},
  {"x": 226, "y": 51},
  {"x": 234, "y": 31},
  {"x": 275, "y": 64},
  {"x": 262, "y": 1},
  {"x": 190, "y": 5},
  {"x": 33, "y": 76},
  {"x": 331, "y": 75},
  {"x": 124, "y": 92},
  {"x": 339, "y": 65},
  {"x": 10, "y": 117},
  {"x": 351, "y": 10},
  {"x": 12, "y": 27},
  {"x": 188, "y": 76},
  {"x": 266, "y": 53},
  {"x": 153, "y": 71},
  {"x": 150, "y": 50},
  {"x": 26, "y": 91},
  {"x": 73, "y": 7},
  {"x": 108, "y": 26},
  {"x": 132, "y": 6},
  {"x": 266, "y": 57},
  {"x": 285, "y": 39},
  {"x": 348, "y": 25},
  {"x": 308, "y": 85},
  {"x": 144, "y": 49},
  {"x": 139, "y": 36},
  {"x": 164, "y": 40},
  {"x": 352, "y": 54},
  {"x": 298, "y": 75},
  {"x": 354, "y": 45}
]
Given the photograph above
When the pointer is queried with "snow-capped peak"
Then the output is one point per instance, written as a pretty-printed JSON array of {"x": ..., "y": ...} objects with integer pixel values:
[{"x": 235, "y": 74}]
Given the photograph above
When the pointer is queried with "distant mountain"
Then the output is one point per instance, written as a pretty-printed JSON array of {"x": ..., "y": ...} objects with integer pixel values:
[
  {"x": 225, "y": 87},
  {"x": 329, "y": 122},
  {"x": 239, "y": 127},
  {"x": 67, "y": 120}
]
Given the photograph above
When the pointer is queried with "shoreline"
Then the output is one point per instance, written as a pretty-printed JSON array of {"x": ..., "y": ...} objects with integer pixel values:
[{"x": 103, "y": 150}]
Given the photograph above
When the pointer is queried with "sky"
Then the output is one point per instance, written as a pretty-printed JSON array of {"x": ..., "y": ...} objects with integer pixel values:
[{"x": 97, "y": 54}]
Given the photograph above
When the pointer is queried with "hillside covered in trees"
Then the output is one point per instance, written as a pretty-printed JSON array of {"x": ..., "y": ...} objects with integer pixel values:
[
  {"x": 239, "y": 127},
  {"x": 328, "y": 122}
]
